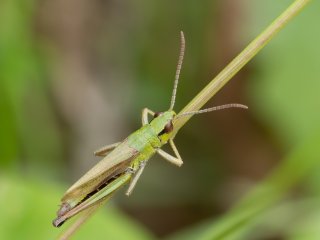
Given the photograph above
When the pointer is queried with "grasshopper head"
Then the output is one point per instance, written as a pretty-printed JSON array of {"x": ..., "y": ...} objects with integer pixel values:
[{"x": 162, "y": 123}]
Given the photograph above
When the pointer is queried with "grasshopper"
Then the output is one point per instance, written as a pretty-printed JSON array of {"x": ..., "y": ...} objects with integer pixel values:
[{"x": 125, "y": 161}]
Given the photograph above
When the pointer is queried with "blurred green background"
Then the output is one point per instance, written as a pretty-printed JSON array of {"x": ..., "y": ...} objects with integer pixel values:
[{"x": 74, "y": 76}]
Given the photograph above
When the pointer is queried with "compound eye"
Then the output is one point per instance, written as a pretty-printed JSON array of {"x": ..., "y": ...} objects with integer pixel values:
[
  {"x": 169, "y": 127},
  {"x": 157, "y": 114}
]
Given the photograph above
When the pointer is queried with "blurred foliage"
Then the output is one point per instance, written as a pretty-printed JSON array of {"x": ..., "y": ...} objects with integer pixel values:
[
  {"x": 263, "y": 212},
  {"x": 288, "y": 78},
  {"x": 27, "y": 207},
  {"x": 28, "y": 125},
  {"x": 129, "y": 49}
]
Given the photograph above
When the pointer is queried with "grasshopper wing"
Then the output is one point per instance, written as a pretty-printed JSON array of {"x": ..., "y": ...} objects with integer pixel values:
[
  {"x": 81, "y": 220},
  {"x": 116, "y": 161}
]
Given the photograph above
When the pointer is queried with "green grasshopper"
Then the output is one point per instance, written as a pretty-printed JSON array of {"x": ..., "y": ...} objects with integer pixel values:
[{"x": 125, "y": 161}]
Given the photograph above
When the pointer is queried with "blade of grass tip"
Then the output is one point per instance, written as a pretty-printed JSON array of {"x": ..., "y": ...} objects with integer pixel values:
[{"x": 240, "y": 61}]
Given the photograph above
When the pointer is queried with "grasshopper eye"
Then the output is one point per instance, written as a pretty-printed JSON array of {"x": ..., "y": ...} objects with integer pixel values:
[
  {"x": 167, "y": 128},
  {"x": 157, "y": 114}
]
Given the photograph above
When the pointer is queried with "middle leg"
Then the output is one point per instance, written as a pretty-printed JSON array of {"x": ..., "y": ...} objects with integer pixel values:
[{"x": 136, "y": 176}]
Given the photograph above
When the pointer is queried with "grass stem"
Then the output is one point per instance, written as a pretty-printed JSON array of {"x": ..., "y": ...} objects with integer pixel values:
[{"x": 240, "y": 61}]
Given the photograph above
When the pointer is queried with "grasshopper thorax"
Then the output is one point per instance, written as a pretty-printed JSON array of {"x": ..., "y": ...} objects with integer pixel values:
[{"x": 162, "y": 124}]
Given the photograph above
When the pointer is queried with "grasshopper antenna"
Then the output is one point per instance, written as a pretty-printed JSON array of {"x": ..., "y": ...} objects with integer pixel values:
[
  {"x": 225, "y": 106},
  {"x": 176, "y": 79}
]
